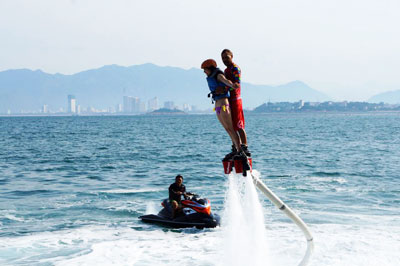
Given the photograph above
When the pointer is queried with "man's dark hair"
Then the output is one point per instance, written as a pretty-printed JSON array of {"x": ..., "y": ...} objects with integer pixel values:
[
  {"x": 178, "y": 176},
  {"x": 227, "y": 51}
]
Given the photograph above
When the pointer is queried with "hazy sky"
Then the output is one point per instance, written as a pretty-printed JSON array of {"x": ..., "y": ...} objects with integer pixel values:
[{"x": 349, "y": 49}]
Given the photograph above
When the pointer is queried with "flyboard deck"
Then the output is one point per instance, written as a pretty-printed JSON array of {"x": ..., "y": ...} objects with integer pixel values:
[{"x": 241, "y": 165}]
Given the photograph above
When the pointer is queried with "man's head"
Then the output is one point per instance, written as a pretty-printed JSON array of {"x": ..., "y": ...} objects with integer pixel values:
[
  {"x": 179, "y": 180},
  {"x": 227, "y": 56}
]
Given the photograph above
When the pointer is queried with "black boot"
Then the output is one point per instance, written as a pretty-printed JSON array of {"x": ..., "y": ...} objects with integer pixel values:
[
  {"x": 240, "y": 155},
  {"x": 230, "y": 155},
  {"x": 246, "y": 150}
]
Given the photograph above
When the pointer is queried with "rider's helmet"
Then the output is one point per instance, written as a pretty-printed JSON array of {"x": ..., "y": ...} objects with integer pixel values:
[{"x": 209, "y": 63}]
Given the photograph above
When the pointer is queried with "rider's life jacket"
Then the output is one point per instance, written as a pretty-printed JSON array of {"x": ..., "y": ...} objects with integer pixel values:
[{"x": 213, "y": 84}]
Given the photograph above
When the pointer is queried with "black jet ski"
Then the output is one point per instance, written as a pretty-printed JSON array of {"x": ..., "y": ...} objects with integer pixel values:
[{"x": 196, "y": 212}]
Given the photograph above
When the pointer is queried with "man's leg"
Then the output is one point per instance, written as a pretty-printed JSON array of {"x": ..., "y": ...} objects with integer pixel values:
[
  {"x": 174, "y": 205},
  {"x": 243, "y": 136}
]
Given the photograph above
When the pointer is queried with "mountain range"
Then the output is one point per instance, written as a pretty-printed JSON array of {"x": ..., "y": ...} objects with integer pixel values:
[
  {"x": 105, "y": 87},
  {"x": 391, "y": 97}
]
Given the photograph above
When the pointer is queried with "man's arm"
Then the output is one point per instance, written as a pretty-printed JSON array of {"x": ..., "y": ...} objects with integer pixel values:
[
  {"x": 173, "y": 191},
  {"x": 221, "y": 78},
  {"x": 236, "y": 73}
]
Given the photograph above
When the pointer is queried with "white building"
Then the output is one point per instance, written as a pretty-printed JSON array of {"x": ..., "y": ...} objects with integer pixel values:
[
  {"x": 135, "y": 105},
  {"x": 131, "y": 104},
  {"x": 118, "y": 108},
  {"x": 71, "y": 104},
  {"x": 142, "y": 107},
  {"x": 152, "y": 104},
  {"x": 187, "y": 107},
  {"x": 45, "y": 109},
  {"x": 127, "y": 106}
]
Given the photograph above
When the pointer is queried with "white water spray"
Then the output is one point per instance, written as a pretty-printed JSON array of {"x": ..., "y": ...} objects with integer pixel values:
[
  {"x": 150, "y": 208},
  {"x": 243, "y": 224},
  {"x": 244, "y": 229}
]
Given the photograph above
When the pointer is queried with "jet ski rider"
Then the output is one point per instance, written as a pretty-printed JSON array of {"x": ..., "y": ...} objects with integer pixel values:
[{"x": 176, "y": 190}]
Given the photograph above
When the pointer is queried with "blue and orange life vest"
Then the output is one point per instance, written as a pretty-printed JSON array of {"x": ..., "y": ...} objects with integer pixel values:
[{"x": 213, "y": 84}]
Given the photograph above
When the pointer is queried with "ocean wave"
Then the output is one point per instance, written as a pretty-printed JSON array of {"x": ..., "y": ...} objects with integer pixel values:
[
  {"x": 31, "y": 192},
  {"x": 131, "y": 191}
]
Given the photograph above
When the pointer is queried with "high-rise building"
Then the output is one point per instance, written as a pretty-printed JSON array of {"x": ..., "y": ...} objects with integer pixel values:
[
  {"x": 127, "y": 106},
  {"x": 135, "y": 105},
  {"x": 45, "y": 109},
  {"x": 152, "y": 104},
  {"x": 118, "y": 108},
  {"x": 142, "y": 107},
  {"x": 71, "y": 104},
  {"x": 169, "y": 105},
  {"x": 132, "y": 105},
  {"x": 187, "y": 107}
]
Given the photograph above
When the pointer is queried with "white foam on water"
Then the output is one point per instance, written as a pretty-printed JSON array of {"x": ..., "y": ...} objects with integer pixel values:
[
  {"x": 97, "y": 245},
  {"x": 13, "y": 217},
  {"x": 151, "y": 208},
  {"x": 337, "y": 245},
  {"x": 242, "y": 239}
]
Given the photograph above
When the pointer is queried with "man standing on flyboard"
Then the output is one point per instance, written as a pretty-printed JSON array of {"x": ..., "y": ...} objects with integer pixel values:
[{"x": 233, "y": 73}]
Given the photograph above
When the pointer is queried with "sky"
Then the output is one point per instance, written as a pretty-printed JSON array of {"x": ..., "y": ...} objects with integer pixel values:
[{"x": 348, "y": 49}]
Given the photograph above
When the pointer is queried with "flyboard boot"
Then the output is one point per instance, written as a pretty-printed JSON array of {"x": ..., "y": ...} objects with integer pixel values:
[
  {"x": 230, "y": 155},
  {"x": 245, "y": 148}
]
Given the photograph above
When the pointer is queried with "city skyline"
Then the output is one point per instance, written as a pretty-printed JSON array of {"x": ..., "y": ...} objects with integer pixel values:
[
  {"x": 129, "y": 105},
  {"x": 73, "y": 108}
]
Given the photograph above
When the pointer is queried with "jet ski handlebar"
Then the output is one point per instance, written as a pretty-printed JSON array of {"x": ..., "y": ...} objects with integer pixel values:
[{"x": 189, "y": 196}]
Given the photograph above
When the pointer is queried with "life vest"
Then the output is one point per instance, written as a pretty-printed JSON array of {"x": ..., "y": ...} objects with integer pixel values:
[{"x": 213, "y": 84}]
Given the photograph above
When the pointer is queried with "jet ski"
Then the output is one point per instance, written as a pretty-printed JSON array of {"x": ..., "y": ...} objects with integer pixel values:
[{"x": 196, "y": 212}]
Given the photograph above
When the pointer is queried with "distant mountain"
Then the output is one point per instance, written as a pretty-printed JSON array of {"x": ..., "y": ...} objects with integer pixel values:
[
  {"x": 391, "y": 97},
  {"x": 104, "y": 87},
  {"x": 290, "y": 92}
]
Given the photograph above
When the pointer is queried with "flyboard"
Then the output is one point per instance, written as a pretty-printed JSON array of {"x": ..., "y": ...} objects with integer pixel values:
[{"x": 244, "y": 166}]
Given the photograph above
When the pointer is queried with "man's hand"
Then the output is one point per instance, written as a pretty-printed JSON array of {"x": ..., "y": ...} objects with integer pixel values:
[
  {"x": 220, "y": 90},
  {"x": 236, "y": 85}
]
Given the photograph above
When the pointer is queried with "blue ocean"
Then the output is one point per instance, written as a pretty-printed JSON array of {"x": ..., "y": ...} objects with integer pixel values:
[{"x": 72, "y": 189}]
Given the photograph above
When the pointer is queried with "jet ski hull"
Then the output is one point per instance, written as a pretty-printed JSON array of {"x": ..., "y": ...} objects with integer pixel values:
[{"x": 197, "y": 220}]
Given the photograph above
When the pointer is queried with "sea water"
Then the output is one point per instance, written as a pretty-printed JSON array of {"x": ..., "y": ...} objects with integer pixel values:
[{"x": 72, "y": 189}]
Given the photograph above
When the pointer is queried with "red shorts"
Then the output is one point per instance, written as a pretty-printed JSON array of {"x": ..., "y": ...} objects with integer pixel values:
[{"x": 237, "y": 114}]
